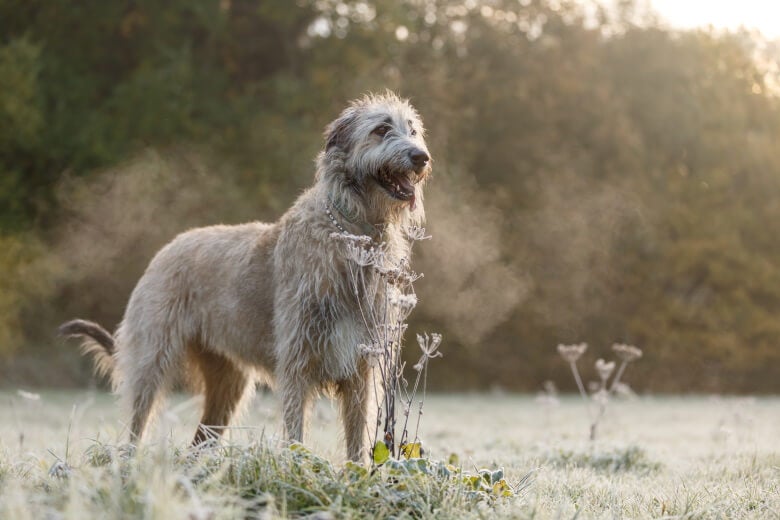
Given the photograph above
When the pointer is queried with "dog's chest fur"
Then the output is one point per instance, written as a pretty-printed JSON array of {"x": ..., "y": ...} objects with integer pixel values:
[{"x": 318, "y": 313}]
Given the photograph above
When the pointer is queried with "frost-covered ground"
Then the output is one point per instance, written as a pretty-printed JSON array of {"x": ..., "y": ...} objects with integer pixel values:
[{"x": 698, "y": 457}]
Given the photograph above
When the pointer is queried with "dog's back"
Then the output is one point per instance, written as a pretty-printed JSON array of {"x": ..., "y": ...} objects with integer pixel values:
[{"x": 210, "y": 288}]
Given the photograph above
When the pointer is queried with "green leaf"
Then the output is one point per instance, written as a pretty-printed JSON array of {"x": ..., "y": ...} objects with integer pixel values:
[
  {"x": 396, "y": 467},
  {"x": 411, "y": 450},
  {"x": 416, "y": 466},
  {"x": 380, "y": 453},
  {"x": 300, "y": 448},
  {"x": 443, "y": 470},
  {"x": 502, "y": 489},
  {"x": 473, "y": 481},
  {"x": 355, "y": 471}
]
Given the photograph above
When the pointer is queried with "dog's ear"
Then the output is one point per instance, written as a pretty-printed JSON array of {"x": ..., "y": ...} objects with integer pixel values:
[{"x": 338, "y": 132}]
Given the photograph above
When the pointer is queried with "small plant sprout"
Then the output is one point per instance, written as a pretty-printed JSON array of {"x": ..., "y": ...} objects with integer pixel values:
[
  {"x": 602, "y": 390},
  {"x": 382, "y": 282},
  {"x": 548, "y": 399},
  {"x": 549, "y": 394}
]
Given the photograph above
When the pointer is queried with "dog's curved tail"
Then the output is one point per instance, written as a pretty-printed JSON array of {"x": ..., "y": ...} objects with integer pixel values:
[{"x": 98, "y": 343}]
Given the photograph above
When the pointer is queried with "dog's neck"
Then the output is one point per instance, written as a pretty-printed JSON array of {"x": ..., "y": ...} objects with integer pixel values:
[{"x": 339, "y": 212}]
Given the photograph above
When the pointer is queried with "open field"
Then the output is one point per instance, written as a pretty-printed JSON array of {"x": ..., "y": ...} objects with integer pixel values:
[{"x": 692, "y": 457}]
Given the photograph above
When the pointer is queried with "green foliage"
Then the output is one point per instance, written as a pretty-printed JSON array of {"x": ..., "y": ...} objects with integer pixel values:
[
  {"x": 289, "y": 482},
  {"x": 26, "y": 277},
  {"x": 303, "y": 482},
  {"x": 630, "y": 458},
  {"x": 380, "y": 453},
  {"x": 20, "y": 121},
  {"x": 411, "y": 450},
  {"x": 490, "y": 483},
  {"x": 484, "y": 485},
  {"x": 19, "y": 100}
]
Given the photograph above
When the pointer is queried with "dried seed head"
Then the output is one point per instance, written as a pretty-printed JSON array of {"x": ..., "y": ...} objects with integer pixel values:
[
  {"x": 604, "y": 369},
  {"x": 371, "y": 353},
  {"x": 571, "y": 353},
  {"x": 416, "y": 233},
  {"x": 363, "y": 256},
  {"x": 403, "y": 302},
  {"x": 627, "y": 353},
  {"x": 429, "y": 344},
  {"x": 399, "y": 276},
  {"x": 390, "y": 274}
]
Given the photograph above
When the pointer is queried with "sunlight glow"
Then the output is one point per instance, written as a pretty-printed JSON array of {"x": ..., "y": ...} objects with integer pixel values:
[{"x": 763, "y": 15}]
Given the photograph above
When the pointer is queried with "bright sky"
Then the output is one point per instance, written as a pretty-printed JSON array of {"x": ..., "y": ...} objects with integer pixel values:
[{"x": 763, "y": 15}]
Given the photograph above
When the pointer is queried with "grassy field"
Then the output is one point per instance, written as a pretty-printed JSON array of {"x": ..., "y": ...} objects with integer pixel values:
[{"x": 62, "y": 456}]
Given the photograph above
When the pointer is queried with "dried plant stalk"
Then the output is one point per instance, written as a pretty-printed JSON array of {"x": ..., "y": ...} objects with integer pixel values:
[{"x": 383, "y": 285}]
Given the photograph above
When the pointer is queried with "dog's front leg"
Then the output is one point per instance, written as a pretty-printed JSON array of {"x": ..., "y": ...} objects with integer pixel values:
[
  {"x": 295, "y": 393},
  {"x": 355, "y": 394}
]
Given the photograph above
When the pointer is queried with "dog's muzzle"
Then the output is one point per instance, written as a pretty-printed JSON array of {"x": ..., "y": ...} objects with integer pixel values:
[{"x": 399, "y": 183}]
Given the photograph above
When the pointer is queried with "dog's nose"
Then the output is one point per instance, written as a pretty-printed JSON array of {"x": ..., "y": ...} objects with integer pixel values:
[{"x": 419, "y": 158}]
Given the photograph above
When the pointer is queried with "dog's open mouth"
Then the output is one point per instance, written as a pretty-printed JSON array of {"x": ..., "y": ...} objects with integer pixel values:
[{"x": 398, "y": 185}]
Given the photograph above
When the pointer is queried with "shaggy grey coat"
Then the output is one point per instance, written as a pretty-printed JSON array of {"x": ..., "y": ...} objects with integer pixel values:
[{"x": 224, "y": 307}]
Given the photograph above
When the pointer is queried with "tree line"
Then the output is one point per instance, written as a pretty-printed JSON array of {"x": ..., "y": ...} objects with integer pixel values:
[{"x": 598, "y": 176}]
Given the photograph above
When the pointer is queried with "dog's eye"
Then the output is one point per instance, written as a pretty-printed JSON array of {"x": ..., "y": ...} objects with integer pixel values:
[{"x": 382, "y": 129}]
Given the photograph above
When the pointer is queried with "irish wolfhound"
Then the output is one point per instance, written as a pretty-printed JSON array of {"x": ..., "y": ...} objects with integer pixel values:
[{"x": 224, "y": 307}]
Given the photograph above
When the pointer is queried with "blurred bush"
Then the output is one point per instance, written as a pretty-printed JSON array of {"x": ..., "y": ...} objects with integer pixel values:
[{"x": 28, "y": 274}]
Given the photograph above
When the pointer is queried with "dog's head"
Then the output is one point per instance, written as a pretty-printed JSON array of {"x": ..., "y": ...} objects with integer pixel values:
[{"x": 376, "y": 148}]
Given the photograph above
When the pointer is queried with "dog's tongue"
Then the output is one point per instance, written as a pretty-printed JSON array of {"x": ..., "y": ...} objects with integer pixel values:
[{"x": 408, "y": 187}]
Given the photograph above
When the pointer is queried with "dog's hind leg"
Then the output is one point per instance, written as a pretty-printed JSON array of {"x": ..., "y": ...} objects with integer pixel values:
[
  {"x": 146, "y": 391},
  {"x": 225, "y": 386},
  {"x": 147, "y": 362}
]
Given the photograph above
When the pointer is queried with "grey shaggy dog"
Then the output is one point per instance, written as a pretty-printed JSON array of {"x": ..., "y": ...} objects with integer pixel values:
[{"x": 224, "y": 307}]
